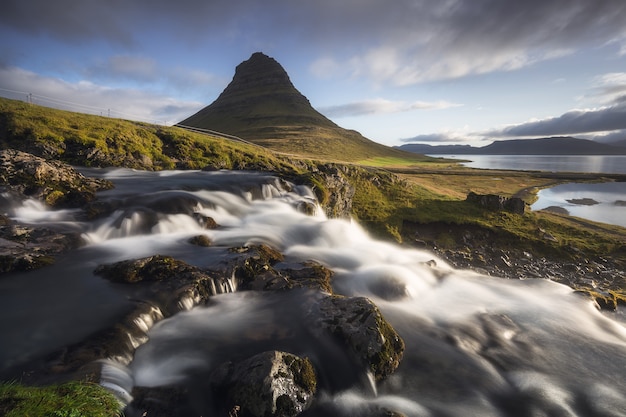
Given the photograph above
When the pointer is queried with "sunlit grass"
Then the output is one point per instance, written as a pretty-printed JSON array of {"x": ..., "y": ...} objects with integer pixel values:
[{"x": 73, "y": 399}]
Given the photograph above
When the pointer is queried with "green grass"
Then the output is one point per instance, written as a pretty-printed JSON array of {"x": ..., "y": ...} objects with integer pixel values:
[
  {"x": 97, "y": 141},
  {"x": 73, "y": 399}
]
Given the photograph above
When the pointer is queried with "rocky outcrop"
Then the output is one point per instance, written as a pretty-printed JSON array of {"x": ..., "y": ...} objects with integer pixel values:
[
  {"x": 24, "y": 176},
  {"x": 269, "y": 384},
  {"x": 497, "y": 203},
  {"x": 335, "y": 193},
  {"x": 54, "y": 182},
  {"x": 358, "y": 325}
]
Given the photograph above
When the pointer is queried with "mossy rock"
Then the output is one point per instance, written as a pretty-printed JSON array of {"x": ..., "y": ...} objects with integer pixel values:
[
  {"x": 358, "y": 325},
  {"x": 268, "y": 384},
  {"x": 152, "y": 268}
]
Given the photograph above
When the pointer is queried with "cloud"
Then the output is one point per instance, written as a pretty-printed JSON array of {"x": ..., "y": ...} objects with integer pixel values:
[
  {"x": 406, "y": 42},
  {"x": 144, "y": 70},
  {"x": 88, "y": 97},
  {"x": 610, "y": 88},
  {"x": 573, "y": 122},
  {"x": 611, "y": 137},
  {"x": 448, "y": 136},
  {"x": 382, "y": 106},
  {"x": 130, "y": 67}
]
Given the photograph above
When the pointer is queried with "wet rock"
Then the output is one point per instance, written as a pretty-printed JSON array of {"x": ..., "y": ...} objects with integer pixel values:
[
  {"x": 201, "y": 240},
  {"x": 309, "y": 275},
  {"x": 167, "y": 401},
  {"x": 253, "y": 261},
  {"x": 171, "y": 284},
  {"x": 152, "y": 268},
  {"x": 357, "y": 324},
  {"x": 23, "y": 248},
  {"x": 271, "y": 383},
  {"x": 54, "y": 182},
  {"x": 206, "y": 221}
]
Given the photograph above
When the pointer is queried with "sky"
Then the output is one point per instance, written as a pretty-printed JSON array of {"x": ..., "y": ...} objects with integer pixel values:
[{"x": 398, "y": 71}]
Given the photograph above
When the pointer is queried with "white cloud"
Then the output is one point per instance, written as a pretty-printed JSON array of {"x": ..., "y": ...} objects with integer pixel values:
[
  {"x": 88, "y": 97},
  {"x": 448, "y": 136}
]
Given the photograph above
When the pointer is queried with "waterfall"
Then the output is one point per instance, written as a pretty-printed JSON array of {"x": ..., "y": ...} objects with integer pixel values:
[{"x": 475, "y": 345}]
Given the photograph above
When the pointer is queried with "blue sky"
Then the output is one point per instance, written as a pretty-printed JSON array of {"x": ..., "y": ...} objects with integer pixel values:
[{"x": 429, "y": 71}]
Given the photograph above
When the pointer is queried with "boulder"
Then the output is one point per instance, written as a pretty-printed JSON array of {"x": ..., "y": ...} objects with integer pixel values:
[
  {"x": 358, "y": 325},
  {"x": 497, "y": 203},
  {"x": 268, "y": 384},
  {"x": 171, "y": 284}
]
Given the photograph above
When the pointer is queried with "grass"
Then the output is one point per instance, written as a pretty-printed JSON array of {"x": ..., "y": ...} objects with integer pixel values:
[
  {"x": 72, "y": 399},
  {"x": 98, "y": 141}
]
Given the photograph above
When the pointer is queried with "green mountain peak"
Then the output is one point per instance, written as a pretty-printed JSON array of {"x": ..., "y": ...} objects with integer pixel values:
[{"x": 261, "y": 105}]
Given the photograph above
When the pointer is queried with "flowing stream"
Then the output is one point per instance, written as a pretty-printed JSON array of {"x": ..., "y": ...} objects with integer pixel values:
[{"x": 475, "y": 345}]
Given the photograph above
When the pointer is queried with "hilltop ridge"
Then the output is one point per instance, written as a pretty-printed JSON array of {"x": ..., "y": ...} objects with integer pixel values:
[{"x": 261, "y": 105}]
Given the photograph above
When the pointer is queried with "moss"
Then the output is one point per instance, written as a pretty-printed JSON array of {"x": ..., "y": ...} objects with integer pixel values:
[
  {"x": 303, "y": 373},
  {"x": 53, "y": 198}
]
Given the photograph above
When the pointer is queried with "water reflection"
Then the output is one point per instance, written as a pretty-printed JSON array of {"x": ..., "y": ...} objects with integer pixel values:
[
  {"x": 604, "y": 202},
  {"x": 607, "y": 164}
]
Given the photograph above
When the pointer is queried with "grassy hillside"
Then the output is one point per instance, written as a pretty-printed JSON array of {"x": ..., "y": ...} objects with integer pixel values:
[{"x": 98, "y": 141}]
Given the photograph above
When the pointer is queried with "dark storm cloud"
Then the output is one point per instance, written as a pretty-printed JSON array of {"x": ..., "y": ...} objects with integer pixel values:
[
  {"x": 571, "y": 123},
  {"x": 403, "y": 42}
]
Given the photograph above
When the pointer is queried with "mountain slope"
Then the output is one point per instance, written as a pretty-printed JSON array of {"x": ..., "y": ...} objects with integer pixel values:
[{"x": 261, "y": 105}]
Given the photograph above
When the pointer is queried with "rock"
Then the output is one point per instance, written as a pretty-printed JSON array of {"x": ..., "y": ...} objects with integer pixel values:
[
  {"x": 171, "y": 284},
  {"x": 23, "y": 248},
  {"x": 206, "y": 221},
  {"x": 253, "y": 260},
  {"x": 167, "y": 401},
  {"x": 152, "y": 268},
  {"x": 357, "y": 324},
  {"x": 310, "y": 275},
  {"x": 497, "y": 203},
  {"x": 201, "y": 240},
  {"x": 338, "y": 192},
  {"x": 271, "y": 383},
  {"x": 54, "y": 182}
]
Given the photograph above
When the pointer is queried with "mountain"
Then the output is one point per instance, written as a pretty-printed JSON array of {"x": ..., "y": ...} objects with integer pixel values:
[
  {"x": 543, "y": 146},
  {"x": 262, "y": 106}
]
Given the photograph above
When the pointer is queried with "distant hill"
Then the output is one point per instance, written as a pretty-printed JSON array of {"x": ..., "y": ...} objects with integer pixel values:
[
  {"x": 262, "y": 106},
  {"x": 543, "y": 146}
]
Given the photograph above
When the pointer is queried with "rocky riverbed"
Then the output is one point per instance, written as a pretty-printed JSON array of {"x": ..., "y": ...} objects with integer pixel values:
[{"x": 277, "y": 380}]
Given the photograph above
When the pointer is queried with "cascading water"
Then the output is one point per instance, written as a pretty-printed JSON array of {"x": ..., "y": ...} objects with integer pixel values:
[{"x": 475, "y": 345}]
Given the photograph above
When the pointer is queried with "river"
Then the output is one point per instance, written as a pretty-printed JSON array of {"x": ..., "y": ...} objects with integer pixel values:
[
  {"x": 475, "y": 345},
  {"x": 603, "y": 164}
]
